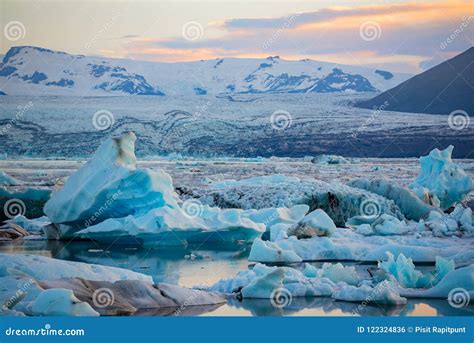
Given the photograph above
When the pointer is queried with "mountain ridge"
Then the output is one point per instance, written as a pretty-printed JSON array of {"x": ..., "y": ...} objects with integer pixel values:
[
  {"x": 26, "y": 70},
  {"x": 447, "y": 87}
]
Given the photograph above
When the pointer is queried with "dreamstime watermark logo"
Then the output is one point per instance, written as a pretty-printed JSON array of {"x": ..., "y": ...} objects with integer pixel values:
[
  {"x": 14, "y": 30},
  {"x": 103, "y": 297},
  {"x": 376, "y": 291},
  {"x": 280, "y": 297},
  {"x": 102, "y": 209},
  {"x": 193, "y": 208},
  {"x": 20, "y": 113},
  {"x": 464, "y": 24},
  {"x": 103, "y": 120},
  {"x": 286, "y": 25},
  {"x": 374, "y": 115},
  {"x": 370, "y": 30},
  {"x": 370, "y": 208},
  {"x": 13, "y": 208},
  {"x": 201, "y": 109},
  {"x": 458, "y": 120},
  {"x": 281, "y": 120},
  {"x": 459, "y": 297},
  {"x": 19, "y": 294},
  {"x": 192, "y": 31},
  {"x": 103, "y": 29}
]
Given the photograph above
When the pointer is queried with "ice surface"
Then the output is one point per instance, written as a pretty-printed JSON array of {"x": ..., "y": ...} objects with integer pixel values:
[
  {"x": 269, "y": 251},
  {"x": 281, "y": 284},
  {"x": 316, "y": 223},
  {"x": 60, "y": 302},
  {"x": 347, "y": 244},
  {"x": 329, "y": 159},
  {"x": 339, "y": 201},
  {"x": 7, "y": 180},
  {"x": 110, "y": 186},
  {"x": 442, "y": 178},
  {"x": 408, "y": 202},
  {"x": 45, "y": 268}
]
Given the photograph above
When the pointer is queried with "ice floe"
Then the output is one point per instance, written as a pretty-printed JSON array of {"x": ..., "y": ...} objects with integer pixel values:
[{"x": 441, "y": 181}]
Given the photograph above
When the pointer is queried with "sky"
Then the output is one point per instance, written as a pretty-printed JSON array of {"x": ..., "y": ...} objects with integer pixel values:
[{"x": 402, "y": 36}]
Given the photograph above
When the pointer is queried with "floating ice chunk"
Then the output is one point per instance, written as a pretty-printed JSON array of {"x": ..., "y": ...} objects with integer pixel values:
[
  {"x": 339, "y": 201},
  {"x": 173, "y": 226},
  {"x": 269, "y": 282},
  {"x": 45, "y": 268},
  {"x": 346, "y": 244},
  {"x": 364, "y": 229},
  {"x": 316, "y": 223},
  {"x": 458, "y": 285},
  {"x": 7, "y": 180},
  {"x": 444, "y": 179},
  {"x": 335, "y": 272},
  {"x": 404, "y": 272},
  {"x": 383, "y": 225},
  {"x": 60, "y": 302},
  {"x": 383, "y": 293},
  {"x": 329, "y": 159},
  {"x": 31, "y": 225},
  {"x": 411, "y": 206},
  {"x": 265, "y": 286},
  {"x": 263, "y": 251},
  {"x": 255, "y": 181},
  {"x": 281, "y": 215},
  {"x": 110, "y": 186},
  {"x": 402, "y": 269},
  {"x": 388, "y": 225}
]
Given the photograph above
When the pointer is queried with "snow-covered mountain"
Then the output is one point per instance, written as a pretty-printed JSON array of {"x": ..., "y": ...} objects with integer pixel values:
[{"x": 27, "y": 70}]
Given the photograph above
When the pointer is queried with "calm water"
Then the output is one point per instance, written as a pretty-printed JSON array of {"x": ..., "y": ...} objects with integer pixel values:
[{"x": 211, "y": 265}]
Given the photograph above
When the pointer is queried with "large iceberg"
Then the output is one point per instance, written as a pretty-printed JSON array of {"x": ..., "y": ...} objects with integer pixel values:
[
  {"x": 441, "y": 181},
  {"x": 339, "y": 201},
  {"x": 109, "y": 185},
  {"x": 42, "y": 286}
]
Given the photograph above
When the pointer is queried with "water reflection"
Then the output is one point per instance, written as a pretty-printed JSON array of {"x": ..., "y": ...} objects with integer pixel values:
[{"x": 204, "y": 264}]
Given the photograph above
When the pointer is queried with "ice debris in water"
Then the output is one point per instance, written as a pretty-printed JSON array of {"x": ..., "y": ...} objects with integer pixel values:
[
  {"x": 440, "y": 181},
  {"x": 403, "y": 271},
  {"x": 335, "y": 281}
]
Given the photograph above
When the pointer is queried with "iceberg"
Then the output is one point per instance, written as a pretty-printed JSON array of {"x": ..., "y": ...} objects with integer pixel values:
[
  {"x": 282, "y": 284},
  {"x": 109, "y": 185},
  {"x": 60, "y": 302},
  {"x": 403, "y": 271},
  {"x": 410, "y": 205},
  {"x": 45, "y": 268},
  {"x": 348, "y": 244},
  {"x": 7, "y": 180},
  {"x": 42, "y": 286},
  {"x": 442, "y": 179},
  {"x": 339, "y": 201},
  {"x": 329, "y": 159},
  {"x": 316, "y": 223}
]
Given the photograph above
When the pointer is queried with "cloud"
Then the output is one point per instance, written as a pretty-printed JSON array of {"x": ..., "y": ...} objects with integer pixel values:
[{"x": 407, "y": 36}]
